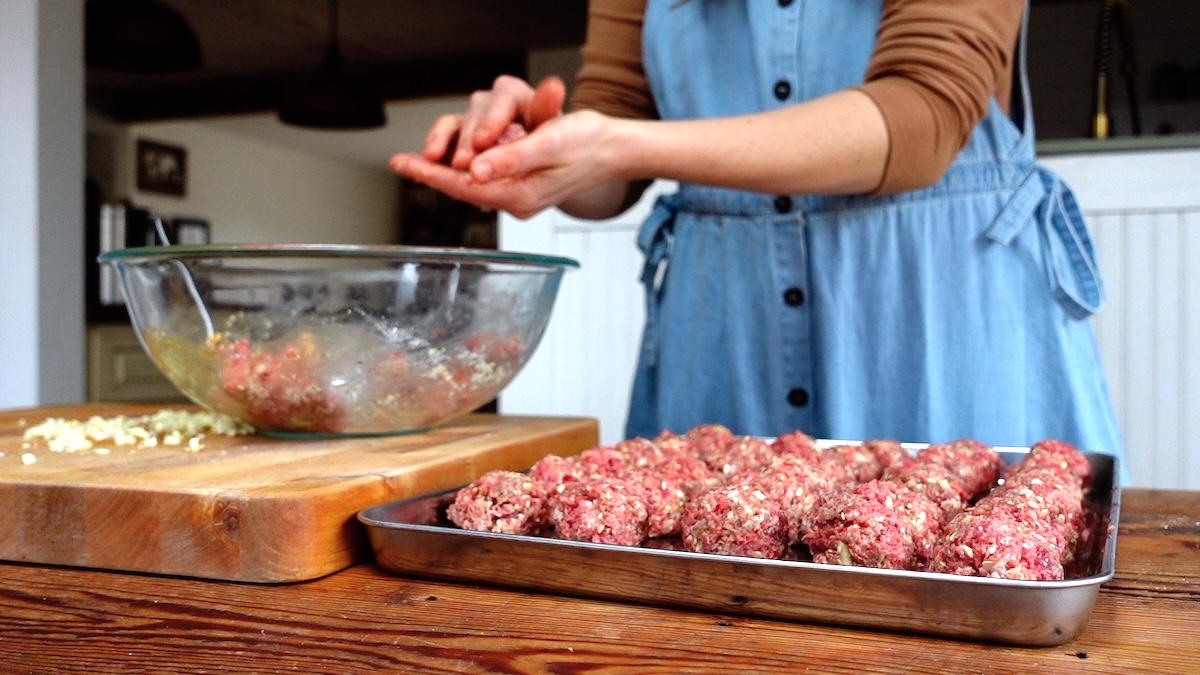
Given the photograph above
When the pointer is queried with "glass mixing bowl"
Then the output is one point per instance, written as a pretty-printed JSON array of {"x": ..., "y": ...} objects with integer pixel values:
[{"x": 331, "y": 339}]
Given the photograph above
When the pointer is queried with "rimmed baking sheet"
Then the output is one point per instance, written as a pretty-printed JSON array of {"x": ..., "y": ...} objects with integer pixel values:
[{"x": 413, "y": 537}]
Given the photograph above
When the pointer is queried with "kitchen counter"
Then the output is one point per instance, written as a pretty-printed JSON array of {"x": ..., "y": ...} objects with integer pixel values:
[
  {"x": 362, "y": 619},
  {"x": 1076, "y": 146}
]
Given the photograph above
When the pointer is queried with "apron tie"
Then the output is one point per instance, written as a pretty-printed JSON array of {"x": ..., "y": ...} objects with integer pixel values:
[
  {"x": 654, "y": 240},
  {"x": 1071, "y": 264}
]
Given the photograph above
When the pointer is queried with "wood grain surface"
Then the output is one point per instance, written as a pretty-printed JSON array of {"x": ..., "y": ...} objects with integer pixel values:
[
  {"x": 247, "y": 508},
  {"x": 363, "y": 620}
]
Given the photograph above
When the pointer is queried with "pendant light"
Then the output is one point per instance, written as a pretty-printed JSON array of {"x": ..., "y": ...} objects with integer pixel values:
[
  {"x": 139, "y": 36},
  {"x": 333, "y": 100}
]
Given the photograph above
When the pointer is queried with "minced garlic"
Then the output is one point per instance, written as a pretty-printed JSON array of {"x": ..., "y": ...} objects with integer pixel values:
[{"x": 166, "y": 427}]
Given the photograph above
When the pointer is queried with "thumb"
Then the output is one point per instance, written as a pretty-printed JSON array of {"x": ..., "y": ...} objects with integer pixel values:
[{"x": 547, "y": 102}]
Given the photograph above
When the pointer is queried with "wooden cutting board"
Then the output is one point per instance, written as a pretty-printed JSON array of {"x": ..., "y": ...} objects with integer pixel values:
[{"x": 248, "y": 508}]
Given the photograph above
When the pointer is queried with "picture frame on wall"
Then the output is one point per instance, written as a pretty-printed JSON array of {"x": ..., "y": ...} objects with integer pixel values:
[{"x": 161, "y": 168}]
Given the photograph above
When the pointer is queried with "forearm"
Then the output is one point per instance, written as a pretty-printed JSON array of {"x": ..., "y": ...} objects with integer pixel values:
[
  {"x": 834, "y": 144},
  {"x": 605, "y": 200}
]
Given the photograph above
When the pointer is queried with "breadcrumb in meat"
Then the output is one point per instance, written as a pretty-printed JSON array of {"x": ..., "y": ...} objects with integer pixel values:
[
  {"x": 796, "y": 485},
  {"x": 889, "y": 453},
  {"x": 692, "y": 473},
  {"x": 604, "y": 461},
  {"x": 796, "y": 443},
  {"x": 710, "y": 440},
  {"x": 743, "y": 455},
  {"x": 738, "y": 520},
  {"x": 1061, "y": 456},
  {"x": 500, "y": 501},
  {"x": 937, "y": 483},
  {"x": 676, "y": 446},
  {"x": 665, "y": 499},
  {"x": 977, "y": 465},
  {"x": 1044, "y": 497},
  {"x": 838, "y": 472},
  {"x": 642, "y": 453},
  {"x": 603, "y": 511},
  {"x": 554, "y": 472},
  {"x": 877, "y": 524},
  {"x": 996, "y": 545},
  {"x": 861, "y": 464}
]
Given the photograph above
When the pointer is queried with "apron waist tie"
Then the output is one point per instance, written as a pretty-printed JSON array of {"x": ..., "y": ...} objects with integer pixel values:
[
  {"x": 654, "y": 240},
  {"x": 1074, "y": 274}
]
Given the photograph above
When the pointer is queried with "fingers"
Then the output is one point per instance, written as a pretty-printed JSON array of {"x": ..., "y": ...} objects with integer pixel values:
[
  {"x": 522, "y": 200},
  {"x": 442, "y": 138},
  {"x": 489, "y": 115},
  {"x": 547, "y": 102}
]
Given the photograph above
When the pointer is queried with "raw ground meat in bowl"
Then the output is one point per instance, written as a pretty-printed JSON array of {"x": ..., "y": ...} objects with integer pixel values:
[{"x": 335, "y": 339}]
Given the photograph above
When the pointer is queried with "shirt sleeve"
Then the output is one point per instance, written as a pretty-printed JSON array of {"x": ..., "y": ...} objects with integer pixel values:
[
  {"x": 936, "y": 65},
  {"x": 612, "y": 79}
]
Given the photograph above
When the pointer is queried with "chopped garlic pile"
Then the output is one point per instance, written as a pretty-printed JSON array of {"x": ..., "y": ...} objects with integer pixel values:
[{"x": 165, "y": 427}]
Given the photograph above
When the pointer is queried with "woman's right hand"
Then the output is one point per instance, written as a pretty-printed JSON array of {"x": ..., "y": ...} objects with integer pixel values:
[{"x": 509, "y": 110}]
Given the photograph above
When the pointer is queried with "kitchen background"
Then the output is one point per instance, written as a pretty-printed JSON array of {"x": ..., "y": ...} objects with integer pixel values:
[{"x": 251, "y": 178}]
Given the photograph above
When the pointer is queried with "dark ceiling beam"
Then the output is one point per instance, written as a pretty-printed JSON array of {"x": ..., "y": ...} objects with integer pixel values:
[{"x": 415, "y": 80}]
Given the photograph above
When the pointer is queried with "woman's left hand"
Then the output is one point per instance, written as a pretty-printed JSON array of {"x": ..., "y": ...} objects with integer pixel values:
[{"x": 560, "y": 158}]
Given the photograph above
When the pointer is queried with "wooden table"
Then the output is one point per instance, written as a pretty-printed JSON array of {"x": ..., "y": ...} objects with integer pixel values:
[{"x": 366, "y": 620}]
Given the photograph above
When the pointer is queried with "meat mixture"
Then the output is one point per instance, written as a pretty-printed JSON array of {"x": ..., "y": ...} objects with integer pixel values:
[
  {"x": 602, "y": 511},
  {"x": 997, "y": 545},
  {"x": 977, "y": 466},
  {"x": 735, "y": 520},
  {"x": 500, "y": 501},
  {"x": 879, "y": 524},
  {"x": 873, "y": 504}
]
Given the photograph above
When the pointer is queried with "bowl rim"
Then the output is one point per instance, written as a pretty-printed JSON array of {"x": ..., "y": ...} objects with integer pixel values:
[{"x": 398, "y": 252}]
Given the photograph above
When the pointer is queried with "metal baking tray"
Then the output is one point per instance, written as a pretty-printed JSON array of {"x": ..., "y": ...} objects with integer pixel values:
[{"x": 413, "y": 537}]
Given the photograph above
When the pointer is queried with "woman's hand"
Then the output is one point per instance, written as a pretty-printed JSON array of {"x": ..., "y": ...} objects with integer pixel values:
[
  {"x": 497, "y": 115},
  {"x": 560, "y": 158}
]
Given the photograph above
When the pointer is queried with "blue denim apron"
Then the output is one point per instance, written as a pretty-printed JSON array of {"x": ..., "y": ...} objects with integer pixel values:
[{"x": 960, "y": 310}]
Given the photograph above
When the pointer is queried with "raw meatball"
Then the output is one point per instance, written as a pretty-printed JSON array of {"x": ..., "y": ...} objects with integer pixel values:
[
  {"x": 554, "y": 472},
  {"x": 796, "y": 443},
  {"x": 736, "y": 520},
  {"x": 604, "y": 461},
  {"x": 665, "y": 500},
  {"x": 876, "y": 524},
  {"x": 1042, "y": 496},
  {"x": 889, "y": 453},
  {"x": 601, "y": 510},
  {"x": 796, "y": 485},
  {"x": 1061, "y": 456},
  {"x": 860, "y": 463},
  {"x": 996, "y": 545},
  {"x": 692, "y": 473},
  {"x": 500, "y": 501},
  {"x": 743, "y": 455},
  {"x": 978, "y": 466},
  {"x": 939, "y": 484},
  {"x": 710, "y": 440}
]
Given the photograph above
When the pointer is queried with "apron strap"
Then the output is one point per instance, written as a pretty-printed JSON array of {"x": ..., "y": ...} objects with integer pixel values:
[
  {"x": 654, "y": 240},
  {"x": 1074, "y": 274},
  {"x": 1021, "y": 107}
]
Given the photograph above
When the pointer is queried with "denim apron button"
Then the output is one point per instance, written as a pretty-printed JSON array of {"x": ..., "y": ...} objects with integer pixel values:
[
  {"x": 783, "y": 203},
  {"x": 782, "y": 90},
  {"x": 798, "y": 397},
  {"x": 794, "y": 296}
]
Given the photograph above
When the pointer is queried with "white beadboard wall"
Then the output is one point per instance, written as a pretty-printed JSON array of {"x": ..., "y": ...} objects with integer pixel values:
[
  {"x": 584, "y": 364},
  {"x": 1144, "y": 209}
]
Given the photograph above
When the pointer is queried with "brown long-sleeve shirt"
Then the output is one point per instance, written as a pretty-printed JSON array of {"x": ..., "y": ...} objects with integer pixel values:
[{"x": 935, "y": 66}]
